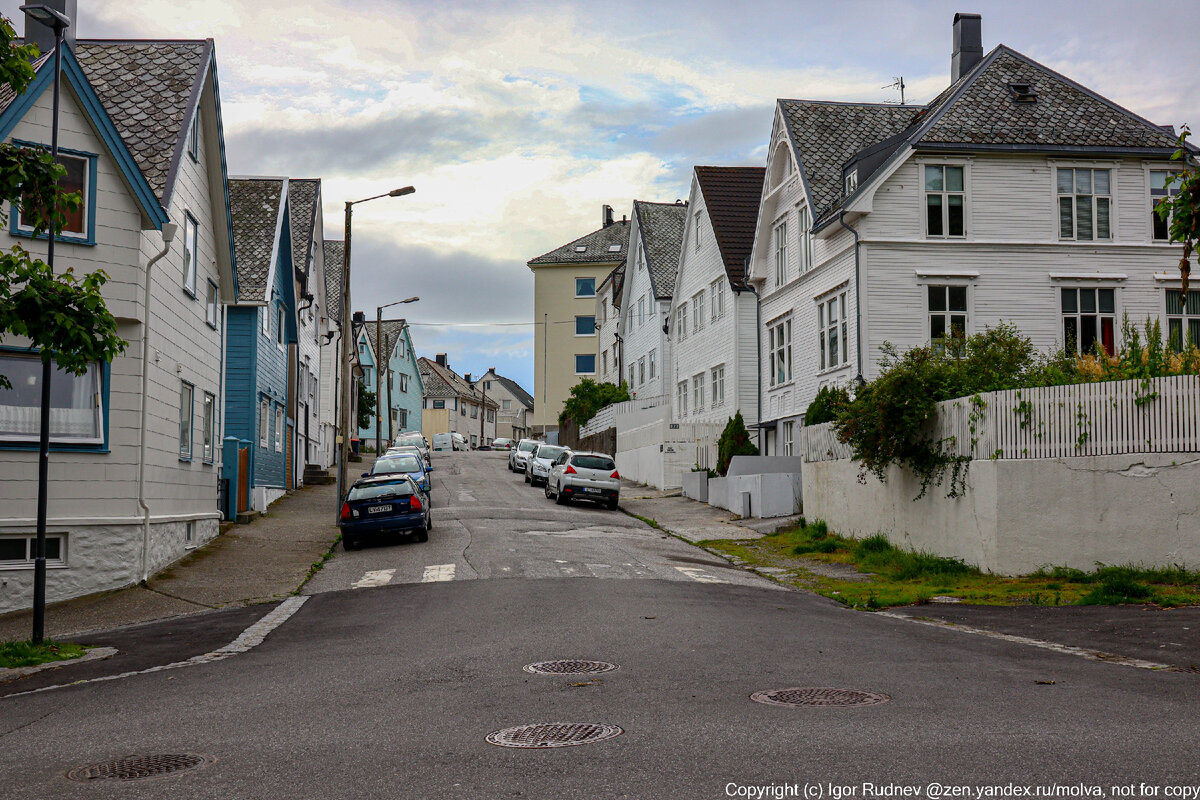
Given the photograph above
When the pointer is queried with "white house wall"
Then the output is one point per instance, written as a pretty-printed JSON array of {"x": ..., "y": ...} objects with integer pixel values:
[
  {"x": 643, "y": 334},
  {"x": 309, "y": 339},
  {"x": 607, "y": 317}
]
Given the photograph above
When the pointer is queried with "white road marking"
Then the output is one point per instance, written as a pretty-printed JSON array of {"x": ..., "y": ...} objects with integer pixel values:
[
  {"x": 377, "y": 577},
  {"x": 699, "y": 575},
  {"x": 438, "y": 572}
]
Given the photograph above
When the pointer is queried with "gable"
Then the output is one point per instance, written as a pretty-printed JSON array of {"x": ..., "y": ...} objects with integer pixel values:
[
  {"x": 258, "y": 209},
  {"x": 731, "y": 200}
]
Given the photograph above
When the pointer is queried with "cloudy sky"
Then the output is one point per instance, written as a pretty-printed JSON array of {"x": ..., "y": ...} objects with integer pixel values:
[{"x": 517, "y": 121}]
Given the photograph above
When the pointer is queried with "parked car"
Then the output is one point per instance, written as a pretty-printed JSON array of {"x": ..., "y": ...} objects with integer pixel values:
[
  {"x": 503, "y": 444},
  {"x": 408, "y": 463},
  {"x": 520, "y": 454},
  {"x": 384, "y": 504},
  {"x": 537, "y": 467},
  {"x": 409, "y": 450},
  {"x": 584, "y": 476},
  {"x": 413, "y": 439},
  {"x": 443, "y": 441},
  {"x": 460, "y": 443}
]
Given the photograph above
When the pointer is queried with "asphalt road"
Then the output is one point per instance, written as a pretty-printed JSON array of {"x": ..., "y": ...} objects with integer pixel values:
[{"x": 389, "y": 691}]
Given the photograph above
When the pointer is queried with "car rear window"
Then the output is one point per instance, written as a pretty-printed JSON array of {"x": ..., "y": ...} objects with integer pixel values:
[
  {"x": 549, "y": 451},
  {"x": 400, "y": 464},
  {"x": 593, "y": 462},
  {"x": 527, "y": 447},
  {"x": 377, "y": 491}
]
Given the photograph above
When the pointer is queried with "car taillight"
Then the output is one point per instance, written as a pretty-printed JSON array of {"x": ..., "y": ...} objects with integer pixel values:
[
  {"x": 616, "y": 475},
  {"x": 415, "y": 503},
  {"x": 345, "y": 511},
  {"x": 569, "y": 470}
]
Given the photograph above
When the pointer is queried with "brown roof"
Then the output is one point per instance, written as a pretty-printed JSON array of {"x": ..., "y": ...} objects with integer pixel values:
[{"x": 731, "y": 196}]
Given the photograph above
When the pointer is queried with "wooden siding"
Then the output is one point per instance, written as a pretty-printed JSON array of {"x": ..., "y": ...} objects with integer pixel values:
[{"x": 646, "y": 332}]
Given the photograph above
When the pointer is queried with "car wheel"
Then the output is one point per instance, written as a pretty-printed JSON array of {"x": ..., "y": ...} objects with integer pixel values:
[
  {"x": 561, "y": 498},
  {"x": 612, "y": 504},
  {"x": 423, "y": 535},
  {"x": 548, "y": 495},
  {"x": 527, "y": 478},
  {"x": 349, "y": 544}
]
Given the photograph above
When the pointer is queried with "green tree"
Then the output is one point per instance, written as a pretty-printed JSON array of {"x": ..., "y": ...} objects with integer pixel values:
[
  {"x": 62, "y": 315},
  {"x": 588, "y": 397},
  {"x": 1181, "y": 210},
  {"x": 366, "y": 406},
  {"x": 826, "y": 406},
  {"x": 734, "y": 441}
]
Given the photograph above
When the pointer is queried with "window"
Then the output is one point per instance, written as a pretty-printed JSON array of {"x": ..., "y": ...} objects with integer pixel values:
[
  {"x": 76, "y": 413},
  {"x": 78, "y": 179},
  {"x": 462, "y": 409},
  {"x": 585, "y": 364},
  {"x": 614, "y": 248},
  {"x": 716, "y": 298},
  {"x": 581, "y": 248},
  {"x": 264, "y": 319},
  {"x": 851, "y": 182},
  {"x": 1083, "y": 204},
  {"x": 944, "y": 201},
  {"x": 1159, "y": 192},
  {"x": 603, "y": 365},
  {"x": 189, "y": 531},
  {"x": 681, "y": 398},
  {"x": 207, "y": 424},
  {"x": 698, "y": 311},
  {"x": 781, "y": 352},
  {"x": 210, "y": 305},
  {"x": 491, "y": 415},
  {"x": 403, "y": 382},
  {"x": 832, "y": 331},
  {"x": 585, "y": 287},
  {"x": 781, "y": 254},
  {"x": 278, "y": 429},
  {"x": 585, "y": 326},
  {"x": 401, "y": 416},
  {"x": 806, "y": 240},
  {"x": 1183, "y": 324},
  {"x": 264, "y": 422},
  {"x": 279, "y": 319},
  {"x": 681, "y": 326},
  {"x": 193, "y": 142},
  {"x": 474, "y": 412},
  {"x": 1089, "y": 316},
  {"x": 506, "y": 404},
  {"x": 191, "y": 258},
  {"x": 698, "y": 391},
  {"x": 789, "y": 437},
  {"x": 20, "y": 550},
  {"x": 718, "y": 386},
  {"x": 652, "y": 364},
  {"x": 631, "y": 368},
  {"x": 641, "y": 315},
  {"x": 696, "y": 228},
  {"x": 186, "y": 400},
  {"x": 439, "y": 403},
  {"x": 947, "y": 311},
  {"x": 487, "y": 385},
  {"x": 641, "y": 370}
]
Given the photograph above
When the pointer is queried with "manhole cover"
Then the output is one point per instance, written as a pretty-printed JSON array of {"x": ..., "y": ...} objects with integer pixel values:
[
  {"x": 553, "y": 734},
  {"x": 819, "y": 697},
  {"x": 132, "y": 768},
  {"x": 569, "y": 667}
]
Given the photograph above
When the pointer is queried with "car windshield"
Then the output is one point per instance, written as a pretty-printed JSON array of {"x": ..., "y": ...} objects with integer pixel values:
[
  {"x": 396, "y": 464},
  {"x": 550, "y": 452},
  {"x": 527, "y": 447},
  {"x": 381, "y": 491},
  {"x": 593, "y": 462},
  {"x": 411, "y": 442}
]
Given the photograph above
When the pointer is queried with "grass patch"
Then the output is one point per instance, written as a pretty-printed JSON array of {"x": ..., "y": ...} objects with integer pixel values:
[
  {"x": 319, "y": 564},
  {"x": 27, "y": 654},
  {"x": 872, "y": 573}
]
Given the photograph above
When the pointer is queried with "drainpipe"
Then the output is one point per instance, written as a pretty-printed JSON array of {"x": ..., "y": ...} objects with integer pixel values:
[
  {"x": 858, "y": 379},
  {"x": 168, "y": 234},
  {"x": 758, "y": 345}
]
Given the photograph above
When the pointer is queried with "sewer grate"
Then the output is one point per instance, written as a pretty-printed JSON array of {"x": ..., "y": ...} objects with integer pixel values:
[
  {"x": 819, "y": 697},
  {"x": 569, "y": 667},
  {"x": 132, "y": 768},
  {"x": 553, "y": 734}
]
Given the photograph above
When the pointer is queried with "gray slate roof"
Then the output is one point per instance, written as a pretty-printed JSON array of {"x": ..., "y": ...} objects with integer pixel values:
[
  {"x": 661, "y": 229},
  {"x": 255, "y": 207},
  {"x": 391, "y": 330},
  {"x": 335, "y": 255},
  {"x": 523, "y": 397},
  {"x": 595, "y": 246},
  {"x": 7, "y": 94},
  {"x": 442, "y": 381},
  {"x": 148, "y": 89},
  {"x": 302, "y": 210}
]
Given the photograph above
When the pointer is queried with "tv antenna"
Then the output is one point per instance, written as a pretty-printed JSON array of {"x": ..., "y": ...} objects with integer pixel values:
[{"x": 897, "y": 84}]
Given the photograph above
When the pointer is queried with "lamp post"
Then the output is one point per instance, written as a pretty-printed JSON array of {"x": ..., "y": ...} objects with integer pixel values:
[
  {"x": 383, "y": 354},
  {"x": 55, "y": 19},
  {"x": 348, "y": 342}
]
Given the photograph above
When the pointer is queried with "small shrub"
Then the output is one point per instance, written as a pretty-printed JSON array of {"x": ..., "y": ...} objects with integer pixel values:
[
  {"x": 872, "y": 545},
  {"x": 734, "y": 441},
  {"x": 825, "y": 407},
  {"x": 818, "y": 530},
  {"x": 1116, "y": 589}
]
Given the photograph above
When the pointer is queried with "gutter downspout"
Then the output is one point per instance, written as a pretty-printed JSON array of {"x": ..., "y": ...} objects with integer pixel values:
[
  {"x": 168, "y": 235},
  {"x": 858, "y": 379},
  {"x": 758, "y": 345}
]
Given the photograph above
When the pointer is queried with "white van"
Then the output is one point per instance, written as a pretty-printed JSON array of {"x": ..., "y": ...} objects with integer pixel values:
[
  {"x": 459, "y": 442},
  {"x": 443, "y": 441}
]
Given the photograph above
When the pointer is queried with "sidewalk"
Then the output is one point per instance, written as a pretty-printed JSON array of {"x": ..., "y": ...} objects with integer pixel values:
[
  {"x": 259, "y": 562},
  {"x": 692, "y": 520}
]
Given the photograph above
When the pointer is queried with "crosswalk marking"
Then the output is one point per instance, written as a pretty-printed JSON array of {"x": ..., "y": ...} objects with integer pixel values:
[
  {"x": 699, "y": 575},
  {"x": 438, "y": 572},
  {"x": 378, "y": 577}
]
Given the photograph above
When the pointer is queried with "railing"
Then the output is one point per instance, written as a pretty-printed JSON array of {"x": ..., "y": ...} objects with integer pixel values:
[
  {"x": 607, "y": 417},
  {"x": 1160, "y": 415}
]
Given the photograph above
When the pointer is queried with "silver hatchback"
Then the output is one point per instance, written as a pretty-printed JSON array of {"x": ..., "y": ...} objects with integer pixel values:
[
  {"x": 584, "y": 476},
  {"x": 520, "y": 454}
]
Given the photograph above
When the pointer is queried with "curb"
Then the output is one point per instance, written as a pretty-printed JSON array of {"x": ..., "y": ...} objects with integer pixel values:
[{"x": 94, "y": 654}]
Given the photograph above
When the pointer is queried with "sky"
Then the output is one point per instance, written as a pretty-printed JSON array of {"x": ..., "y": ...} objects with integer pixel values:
[{"x": 516, "y": 122}]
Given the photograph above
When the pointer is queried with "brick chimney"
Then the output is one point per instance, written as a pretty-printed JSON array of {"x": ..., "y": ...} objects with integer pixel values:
[
  {"x": 440, "y": 358},
  {"x": 968, "y": 44},
  {"x": 467, "y": 377}
]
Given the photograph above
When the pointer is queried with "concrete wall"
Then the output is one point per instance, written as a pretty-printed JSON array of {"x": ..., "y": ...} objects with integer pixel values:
[
  {"x": 1018, "y": 515},
  {"x": 774, "y": 486}
]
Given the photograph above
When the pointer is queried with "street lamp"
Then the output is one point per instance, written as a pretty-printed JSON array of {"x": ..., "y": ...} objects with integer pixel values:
[
  {"x": 381, "y": 355},
  {"x": 348, "y": 341},
  {"x": 51, "y": 18}
]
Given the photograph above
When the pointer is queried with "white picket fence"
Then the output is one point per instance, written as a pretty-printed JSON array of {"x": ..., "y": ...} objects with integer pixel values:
[
  {"x": 607, "y": 417},
  {"x": 1161, "y": 415}
]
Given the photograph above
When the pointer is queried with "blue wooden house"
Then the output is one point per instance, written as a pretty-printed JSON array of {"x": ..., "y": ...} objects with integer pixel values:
[
  {"x": 400, "y": 383},
  {"x": 261, "y": 328}
]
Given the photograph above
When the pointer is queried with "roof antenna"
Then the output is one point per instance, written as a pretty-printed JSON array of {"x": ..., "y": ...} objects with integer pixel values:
[{"x": 897, "y": 84}]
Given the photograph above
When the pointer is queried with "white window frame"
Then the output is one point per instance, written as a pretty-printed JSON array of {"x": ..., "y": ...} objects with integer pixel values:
[
  {"x": 208, "y": 428},
  {"x": 193, "y": 140},
  {"x": 944, "y": 194},
  {"x": 585, "y": 355},
  {"x": 280, "y": 334},
  {"x": 1186, "y": 318},
  {"x": 1079, "y": 314},
  {"x": 578, "y": 281},
  {"x": 442, "y": 402},
  {"x": 681, "y": 397},
  {"x": 780, "y": 240},
  {"x": 832, "y": 327},
  {"x": 187, "y": 416},
  {"x": 696, "y": 219},
  {"x": 87, "y": 214},
  {"x": 698, "y": 392},
  {"x": 651, "y": 363},
  {"x": 946, "y": 313},
  {"x": 279, "y": 426},
  {"x": 30, "y": 416},
  {"x": 191, "y": 254},
  {"x": 698, "y": 311},
  {"x": 806, "y": 239},
  {"x": 642, "y": 371},
  {"x": 716, "y": 299},
  {"x": 212, "y": 305},
  {"x": 789, "y": 438},
  {"x": 1155, "y": 195},
  {"x": 30, "y": 540},
  {"x": 718, "y": 385},
  {"x": 780, "y": 352},
  {"x": 264, "y": 423},
  {"x": 404, "y": 381},
  {"x": 681, "y": 326},
  {"x": 1074, "y": 196},
  {"x": 578, "y": 317}
]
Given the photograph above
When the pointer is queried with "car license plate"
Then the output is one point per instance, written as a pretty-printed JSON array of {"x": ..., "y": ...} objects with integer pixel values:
[
  {"x": 378, "y": 509},
  {"x": 590, "y": 490}
]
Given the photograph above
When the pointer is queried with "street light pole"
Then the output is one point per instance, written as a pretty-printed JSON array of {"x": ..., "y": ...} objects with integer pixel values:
[
  {"x": 383, "y": 356},
  {"x": 60, "y": 22}
]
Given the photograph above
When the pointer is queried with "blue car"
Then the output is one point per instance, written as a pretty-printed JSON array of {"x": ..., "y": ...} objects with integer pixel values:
[
  {"x": 404, "y": 464},
  {"x": 381, "y": 505}
]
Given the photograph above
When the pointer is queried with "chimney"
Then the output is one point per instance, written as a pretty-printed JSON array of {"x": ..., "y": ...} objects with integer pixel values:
[
  {"x": 43, "y": 35},
  {"x": 467, "y": 377},
  {"x": 440, "y": 358},
  {"x": 968, "y": 45},
  {"x": 608, "y": 216}
]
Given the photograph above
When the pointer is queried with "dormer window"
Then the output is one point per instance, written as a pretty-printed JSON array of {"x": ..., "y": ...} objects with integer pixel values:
[
  {"x": 1023, "y": 92},
  {"x": 581, "y": 248}
]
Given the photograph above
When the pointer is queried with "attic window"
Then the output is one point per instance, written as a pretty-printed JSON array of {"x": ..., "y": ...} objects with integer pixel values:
[
  {"x": 581, "y": 248},
  {"x": 1023, "y": 92},
  {"x": 614, "y": 248},
  {"x": 851, "y": 181}
]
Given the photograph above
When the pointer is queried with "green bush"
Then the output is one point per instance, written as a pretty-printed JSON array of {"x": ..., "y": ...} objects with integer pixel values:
[
  {"x": 588, "y": 397},
  {"x": 826, "y": 406},
  {"x": 734, "y": 441}
]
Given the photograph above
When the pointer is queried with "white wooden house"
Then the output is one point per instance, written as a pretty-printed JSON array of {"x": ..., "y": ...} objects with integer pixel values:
[
  {"x": 305, "y": 360},
  {"x": 1016, "y": 195},
  {"x": 135, "y": 444},
  {"x": 608, "y": 318}
]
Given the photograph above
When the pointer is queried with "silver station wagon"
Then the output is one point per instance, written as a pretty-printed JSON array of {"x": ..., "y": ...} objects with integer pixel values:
[{"x": 584, "y": 476}]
